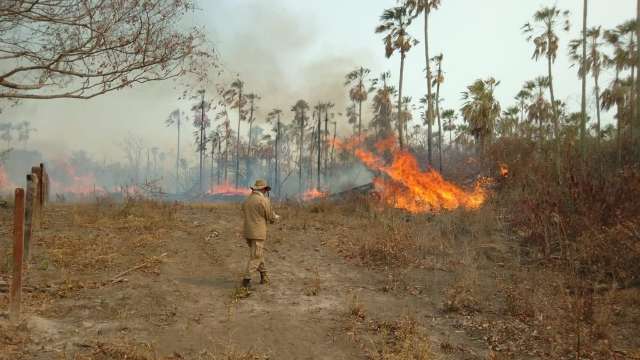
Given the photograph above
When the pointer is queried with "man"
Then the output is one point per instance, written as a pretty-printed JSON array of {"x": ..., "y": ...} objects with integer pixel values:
[{"x": 257, "y": 212}]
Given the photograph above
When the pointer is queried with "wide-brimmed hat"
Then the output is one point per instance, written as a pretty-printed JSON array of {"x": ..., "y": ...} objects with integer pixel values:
[{"x": 261, "y": 185}]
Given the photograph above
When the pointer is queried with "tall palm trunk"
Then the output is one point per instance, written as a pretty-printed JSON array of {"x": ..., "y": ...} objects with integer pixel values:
[
  {"x": 319, "y": 157},
  {"x": 596, "y": 78},
  {"x": 438, "y": 116},
  {"x": 360, "y": 107},
  {"x": 400, "y": 121},
  {"x": 636, "y": 118},
  {"x": 226, "y": 150},
  {"x": 556, "y": 120},
  {"x": 276, "y": 150},
  {"x": 583, "y": 106},
  {"x": 300, "y": 187},
  {"x": 219, "y": 160},
  {"x": 202, "y": 145},
  {"x": 633, "y": 104},
  {"x": 326, "y": 145},
  {"x": 238, "y": 139},
  {"x": 178, "y": 157},
  {"x": 429, "y": 104}
]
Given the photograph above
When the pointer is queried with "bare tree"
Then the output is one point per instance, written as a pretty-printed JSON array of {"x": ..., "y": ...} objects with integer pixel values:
[{"x": 82, "y": 49}]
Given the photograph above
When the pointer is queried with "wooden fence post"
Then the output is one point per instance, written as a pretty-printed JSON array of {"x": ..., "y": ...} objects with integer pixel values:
[
  {"x": 35, "y": 171},
  {"x": 32, "y": 182},
  {"x": 41, "y": 186},
  {"x": 18, "y": 248}
]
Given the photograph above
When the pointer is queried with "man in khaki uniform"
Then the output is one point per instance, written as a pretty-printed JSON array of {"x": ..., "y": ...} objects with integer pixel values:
[{"x": 257, "y": 212}]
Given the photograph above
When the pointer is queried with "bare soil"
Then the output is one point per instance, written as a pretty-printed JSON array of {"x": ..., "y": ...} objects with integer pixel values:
[{"x": 329, "y": 298}]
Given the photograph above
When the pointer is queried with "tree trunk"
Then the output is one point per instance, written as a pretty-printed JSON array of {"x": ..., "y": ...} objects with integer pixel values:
[
  {"x": 400, "y": 121},
  {"x": 633, "y": 104},
  {"x": 636, "y": 118},
  {"x": 556, "y": 122},
  {"x": 319, "y": 157},
  {"x": 583, "y": 108},
  {"x": 597, "y": 90},
  {"x": 429, "y": 103},
  {"x": 438, "y": 117},
  {"x": 219, "y": 160},
  {"x": 238, "y": 140},
  {"x": 326, "y": 146},
  {"x": 276, "y": 175},
  {"x": 178, "y": 157},
  {"x": 360, "y": 118},
  {"x": 300, "y": 187}
]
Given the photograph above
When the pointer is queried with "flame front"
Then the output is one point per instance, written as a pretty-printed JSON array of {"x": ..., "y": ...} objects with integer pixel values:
[
  {"x": 313, "y": 194},
  {"x": 72, "y": 183},
  {"x": 403, "y": 185},
  {"x": 5, "y": 183},
  {"x": 227, "y": 189}
]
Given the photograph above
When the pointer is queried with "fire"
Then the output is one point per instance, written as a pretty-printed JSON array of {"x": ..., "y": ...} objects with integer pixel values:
[
  {"x": 5, "y": 183},
  {"x": 228, "y": 190},
  {"x": 504, "y": 170},
  {"x": 313, "y": 194},
  {"x": 403, "y": 185},
  {"x": 72, "y": 183}
]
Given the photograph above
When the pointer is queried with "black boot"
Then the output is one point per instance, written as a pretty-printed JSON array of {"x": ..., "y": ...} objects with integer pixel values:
[
  {"x": 264, "y": 277},
  {"x": 246, "y": 283}
]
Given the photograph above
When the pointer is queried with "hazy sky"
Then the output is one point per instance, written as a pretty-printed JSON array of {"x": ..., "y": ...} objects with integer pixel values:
[{"x": 291, "y": 49}]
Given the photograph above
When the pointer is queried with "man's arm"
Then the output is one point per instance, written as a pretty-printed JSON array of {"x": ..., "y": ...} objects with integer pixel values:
[{"x": 270, "y": 215}]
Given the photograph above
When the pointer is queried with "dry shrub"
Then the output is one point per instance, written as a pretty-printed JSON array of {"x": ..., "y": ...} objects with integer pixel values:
[
  {"x": 402, "y": 339},
  {"x": 388, "y": 242},
  {"x": 134, "y": 215}
]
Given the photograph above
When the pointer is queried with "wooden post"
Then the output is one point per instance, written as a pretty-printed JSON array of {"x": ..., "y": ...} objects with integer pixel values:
[
  {"x": 18, "y": 248},
  {"x": 32, "y": 183},
  {"x": 41, "y": 186},
  {"x": 35, "y": 171}
]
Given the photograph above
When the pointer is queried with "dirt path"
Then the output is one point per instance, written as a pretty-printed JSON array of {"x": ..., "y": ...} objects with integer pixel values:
[{"x": 186, "y": 307}]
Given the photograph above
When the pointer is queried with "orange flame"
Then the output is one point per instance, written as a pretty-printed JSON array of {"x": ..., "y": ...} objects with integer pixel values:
[
  {"x": 73, "y": 183},
  {"x": 228, "y": 190},
  {"x": 5, "y": 183},
  {"x": 406, "y": 186},
  {"x": 312, "y": 194}
]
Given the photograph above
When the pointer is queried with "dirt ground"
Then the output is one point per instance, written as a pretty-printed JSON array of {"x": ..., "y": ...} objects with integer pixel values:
[{"x": 160, "y": 281}]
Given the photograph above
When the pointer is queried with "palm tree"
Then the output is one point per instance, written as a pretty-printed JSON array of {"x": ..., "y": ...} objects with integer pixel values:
[
  {"x": 175, "y": 118},
  {"x": 425, "y": 7},
  {"x": 437, "y": 82},
  {"x": 251, "y": 99},
  {"x": 583, "y": 75},
  {"x": 201, "y": 122},
  {"x": 523, "y": 97},
  {"x": 358, "y": 92},
  {"x": 481, "y": 109},
  {"x": 540, "y": 110},
  {"x": 394, "y": 23},
  {"x": 382, "y": 105},
  {"x": 300, "y": 109},
  {"x": 547, "y": 44},
  {"x": 508, "y": 121},
  {"x": 592, "y": 64},
  {"x": 235, "y": 98},
  {"x": 449, "y": 116},
  {"x": 275, "y": 115},
  {"x": 624, "y": 43}
]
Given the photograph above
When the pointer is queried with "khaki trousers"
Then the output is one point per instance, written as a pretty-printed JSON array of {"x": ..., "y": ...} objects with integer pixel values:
[{"x": 256, "y": 257}]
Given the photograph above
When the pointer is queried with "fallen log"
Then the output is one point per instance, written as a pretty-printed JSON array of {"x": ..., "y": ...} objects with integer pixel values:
[{"x": 365, "y": 189}]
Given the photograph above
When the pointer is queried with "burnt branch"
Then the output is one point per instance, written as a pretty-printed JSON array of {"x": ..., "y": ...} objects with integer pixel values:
[{"x": 85, "y": 48}]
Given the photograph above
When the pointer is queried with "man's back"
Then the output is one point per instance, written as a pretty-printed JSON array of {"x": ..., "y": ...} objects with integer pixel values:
[{"x": 257, "y": 211}]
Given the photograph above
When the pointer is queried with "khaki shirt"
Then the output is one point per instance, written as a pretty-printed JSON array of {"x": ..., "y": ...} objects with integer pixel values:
[{"x": 257, "y": 211}]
